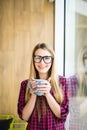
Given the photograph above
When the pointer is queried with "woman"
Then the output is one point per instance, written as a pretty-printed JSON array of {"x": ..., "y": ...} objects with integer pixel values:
[
  {"x": 48, "y": 111},
  {"x": 78, "y": 94}
]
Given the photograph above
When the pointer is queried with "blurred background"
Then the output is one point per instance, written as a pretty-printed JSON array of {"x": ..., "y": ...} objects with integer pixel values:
[{"x": 24, "y": 23}]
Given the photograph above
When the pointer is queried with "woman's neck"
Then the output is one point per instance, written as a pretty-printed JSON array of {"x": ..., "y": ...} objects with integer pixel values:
[{"x": 43, "y": 76}]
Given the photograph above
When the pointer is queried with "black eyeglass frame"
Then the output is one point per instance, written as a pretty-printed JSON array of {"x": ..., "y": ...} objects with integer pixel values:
[
  {"x": 42, "y": 57},
  {"x": 85, "y": 57}
]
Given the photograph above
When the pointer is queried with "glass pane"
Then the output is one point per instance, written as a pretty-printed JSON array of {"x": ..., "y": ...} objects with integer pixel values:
[
  {"x": 75, "y": 64},
  {"x": 75, "y": 33}
]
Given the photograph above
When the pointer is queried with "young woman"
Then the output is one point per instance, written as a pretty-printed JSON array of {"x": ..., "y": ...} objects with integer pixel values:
[
  {"x": 78, "y": 93},
  {"x": 48, "y": 111}
]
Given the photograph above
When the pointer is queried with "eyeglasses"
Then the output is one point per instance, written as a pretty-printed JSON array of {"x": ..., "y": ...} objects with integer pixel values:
[
  {"x": 85, "y": 57},
  {"x": 46, "y": 59}
]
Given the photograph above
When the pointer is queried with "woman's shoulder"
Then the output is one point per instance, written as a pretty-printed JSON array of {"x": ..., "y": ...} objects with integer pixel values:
[
  {"x": 62, "y": 79},
  {"x": 73, "y": 76},
  {"x": 64, "y": 85},
  {"x": 24, "y": 82},
  {"x": 72, "y": 79}
]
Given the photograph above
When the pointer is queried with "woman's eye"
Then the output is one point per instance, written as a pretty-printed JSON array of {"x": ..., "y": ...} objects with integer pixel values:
[
  {"x": 47, "y": 58},
  {"x": 37, "y": 57}
]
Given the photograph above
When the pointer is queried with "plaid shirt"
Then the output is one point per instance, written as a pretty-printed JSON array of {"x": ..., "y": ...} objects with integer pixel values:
[
  {"x": 76, "y": 122},
  {"x": 48, "y": 121}
]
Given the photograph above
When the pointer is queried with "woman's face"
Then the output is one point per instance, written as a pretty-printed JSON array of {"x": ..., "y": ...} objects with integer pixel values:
[
  {"x": 85, "y": 63},
  {"x": 42, "y": 61},
  {"x": 85, "y": 60}
]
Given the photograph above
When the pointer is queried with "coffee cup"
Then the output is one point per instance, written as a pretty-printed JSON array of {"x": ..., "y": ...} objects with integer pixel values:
[{"x": 39, "y": 82}]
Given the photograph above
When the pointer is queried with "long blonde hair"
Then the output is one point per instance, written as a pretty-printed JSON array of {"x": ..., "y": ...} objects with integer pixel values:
[
  {"x": 51, "y": 73},
  {"x": 82, "y": 74}
]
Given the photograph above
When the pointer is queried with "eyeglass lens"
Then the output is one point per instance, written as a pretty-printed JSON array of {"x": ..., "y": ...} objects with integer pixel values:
[{"x": 46, "y": 59}]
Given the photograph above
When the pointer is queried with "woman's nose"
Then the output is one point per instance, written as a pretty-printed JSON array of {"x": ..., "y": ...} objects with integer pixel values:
[{"x": 42, "y": 61}]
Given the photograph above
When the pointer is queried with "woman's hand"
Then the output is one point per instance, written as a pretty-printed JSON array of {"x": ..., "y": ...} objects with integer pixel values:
[
  {"x": 33, "y": 88},
  {"x": 45, "y": 87}
]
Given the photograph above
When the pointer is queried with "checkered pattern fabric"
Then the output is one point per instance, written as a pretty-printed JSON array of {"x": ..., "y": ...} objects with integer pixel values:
[
  {"x": 47, "y": 121},
  {"x": 76, "y": 121}
]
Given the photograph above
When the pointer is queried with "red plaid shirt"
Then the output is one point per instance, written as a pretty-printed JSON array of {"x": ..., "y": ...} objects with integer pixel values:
[
  {"x": 48, "y": 121},
  {"x": 76, "y": 122}
]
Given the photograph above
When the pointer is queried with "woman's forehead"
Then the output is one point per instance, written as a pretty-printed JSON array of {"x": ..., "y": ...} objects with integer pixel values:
[{"x": 42, "y": 52}]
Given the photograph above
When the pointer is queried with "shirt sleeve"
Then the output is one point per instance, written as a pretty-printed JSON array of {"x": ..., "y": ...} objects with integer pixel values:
[
  {"x": 65, "y": 104},
  {"x": 72, "y": 86},
  {"x": 21, "y": 98}
]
